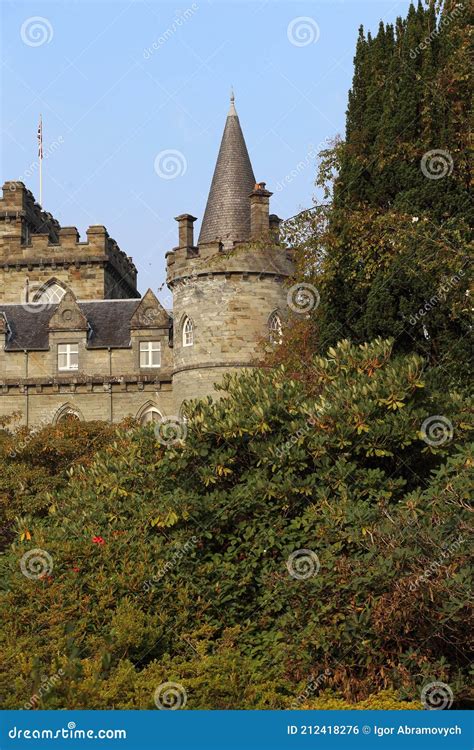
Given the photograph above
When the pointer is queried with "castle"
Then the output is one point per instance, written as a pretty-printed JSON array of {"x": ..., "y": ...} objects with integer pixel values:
[{"x": 78, "y": 341}]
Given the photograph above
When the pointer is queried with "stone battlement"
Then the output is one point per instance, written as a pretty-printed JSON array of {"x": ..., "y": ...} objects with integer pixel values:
[
  {"x": 259, "y": 257},
  {"x": 19, "y": 207},
  {"x": 32, "y": 237}
]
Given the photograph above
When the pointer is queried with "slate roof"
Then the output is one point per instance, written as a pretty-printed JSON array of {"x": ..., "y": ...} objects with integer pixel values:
[
  {"x": 227, "y": 214},
  {"x": 109, "y": 321}
]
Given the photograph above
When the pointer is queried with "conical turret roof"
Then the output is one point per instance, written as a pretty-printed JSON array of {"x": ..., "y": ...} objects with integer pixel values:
[{"x": 227, "y": 214}]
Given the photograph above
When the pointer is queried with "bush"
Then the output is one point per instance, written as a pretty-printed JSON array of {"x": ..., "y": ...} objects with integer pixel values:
[{"x": 178, "y": 563}]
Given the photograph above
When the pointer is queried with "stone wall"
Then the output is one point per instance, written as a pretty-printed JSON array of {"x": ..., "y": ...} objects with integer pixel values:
[{"x": 40, "y": 405}]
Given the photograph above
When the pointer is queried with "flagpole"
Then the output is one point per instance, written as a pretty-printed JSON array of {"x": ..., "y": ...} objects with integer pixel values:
[{"x": 40, "y": 152}]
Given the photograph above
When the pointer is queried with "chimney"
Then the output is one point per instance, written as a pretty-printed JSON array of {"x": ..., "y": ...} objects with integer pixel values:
[
  {"x": 275, "y": 222},
  {"x": 259, "y": 207},
  {"x": 186, "y": 230}
]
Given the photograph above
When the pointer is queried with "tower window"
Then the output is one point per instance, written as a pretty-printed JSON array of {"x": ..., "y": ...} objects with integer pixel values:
[
  {"x": 150, "y": 354},
  {"x": 68, "y": 356},
  {"x": 188, "y": 332},
  {"x": 275, "y": 329}
]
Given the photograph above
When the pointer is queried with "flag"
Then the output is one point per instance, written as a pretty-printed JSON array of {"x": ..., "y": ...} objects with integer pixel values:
[{"x": 40, "y": 139}]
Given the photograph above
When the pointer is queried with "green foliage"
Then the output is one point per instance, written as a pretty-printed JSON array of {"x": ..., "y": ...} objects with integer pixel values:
[
  {"x": 177, "y": 564},
  {"x": 390, "y": 254},
  {"x": 207, "y": 600},
  {"x": 36, "y": 464}
]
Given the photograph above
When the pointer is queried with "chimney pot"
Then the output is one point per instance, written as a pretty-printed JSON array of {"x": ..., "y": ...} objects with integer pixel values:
[
  {"x": 185, "y": 230},
  {"x": 259, "y": 208}
]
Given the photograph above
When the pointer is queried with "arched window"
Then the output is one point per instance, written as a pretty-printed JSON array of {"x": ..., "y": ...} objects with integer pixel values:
[
  {"x": 67, "y": 413},
  {"x": 68, "y": 416},
  {"x": 275, "y": 332},
  {"x": 50, "y": 294},
  {"x": 150, "y": 415},
  {"x": 188, "y": 332}
]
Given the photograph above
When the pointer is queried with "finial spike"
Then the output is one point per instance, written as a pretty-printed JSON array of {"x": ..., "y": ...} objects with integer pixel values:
[{"x": 232, "y": 110}]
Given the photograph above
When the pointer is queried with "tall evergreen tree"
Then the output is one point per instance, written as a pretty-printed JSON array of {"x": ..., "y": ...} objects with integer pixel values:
[{"x": 392, "y": 250}]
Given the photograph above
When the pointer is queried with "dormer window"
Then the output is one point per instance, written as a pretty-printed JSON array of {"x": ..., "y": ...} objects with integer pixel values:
[
  {"x": 188, "y": 332},
  {"x": 150, "y": 354},
  {"x": 68, "y": 357},
  {"x": 275, "y": 331}
]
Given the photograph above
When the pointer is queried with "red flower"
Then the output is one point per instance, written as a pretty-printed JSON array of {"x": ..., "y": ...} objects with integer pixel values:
[
  {"x": 76, "y": 570},
  {"x": 98, "y": 540}
]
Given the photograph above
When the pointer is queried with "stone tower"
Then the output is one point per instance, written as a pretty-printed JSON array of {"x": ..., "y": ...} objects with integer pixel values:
[{"x": 228, "y": 290}]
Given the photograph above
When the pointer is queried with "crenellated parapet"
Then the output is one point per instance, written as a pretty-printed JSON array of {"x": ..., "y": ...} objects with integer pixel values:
[
  {"x": 31, "y": 238},
  {"x": 20, "y": 212},
  {"x": 259, "y": 255}
]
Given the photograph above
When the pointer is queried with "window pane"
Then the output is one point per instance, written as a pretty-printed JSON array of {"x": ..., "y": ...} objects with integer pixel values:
[
  {"x": 62, "y": 348},
  {"x": 152, "y": 415},
  {"x": 188, "y": 333},
  {"x": 62, "y": 361},
  {"x": 143, "y": 358},
  {"x": 156, "y": 358},
  {"x": 74, "y": 361},
  {"x": 73, "y": 348}
]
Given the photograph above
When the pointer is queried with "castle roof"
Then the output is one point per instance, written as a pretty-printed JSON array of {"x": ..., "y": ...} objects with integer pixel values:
[
  {"x": 227, "y": 214},
  {"x": 109, "y": 322}
]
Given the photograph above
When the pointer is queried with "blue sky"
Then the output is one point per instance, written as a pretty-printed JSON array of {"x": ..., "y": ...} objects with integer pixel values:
[{"x": 121, "y": 84}]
